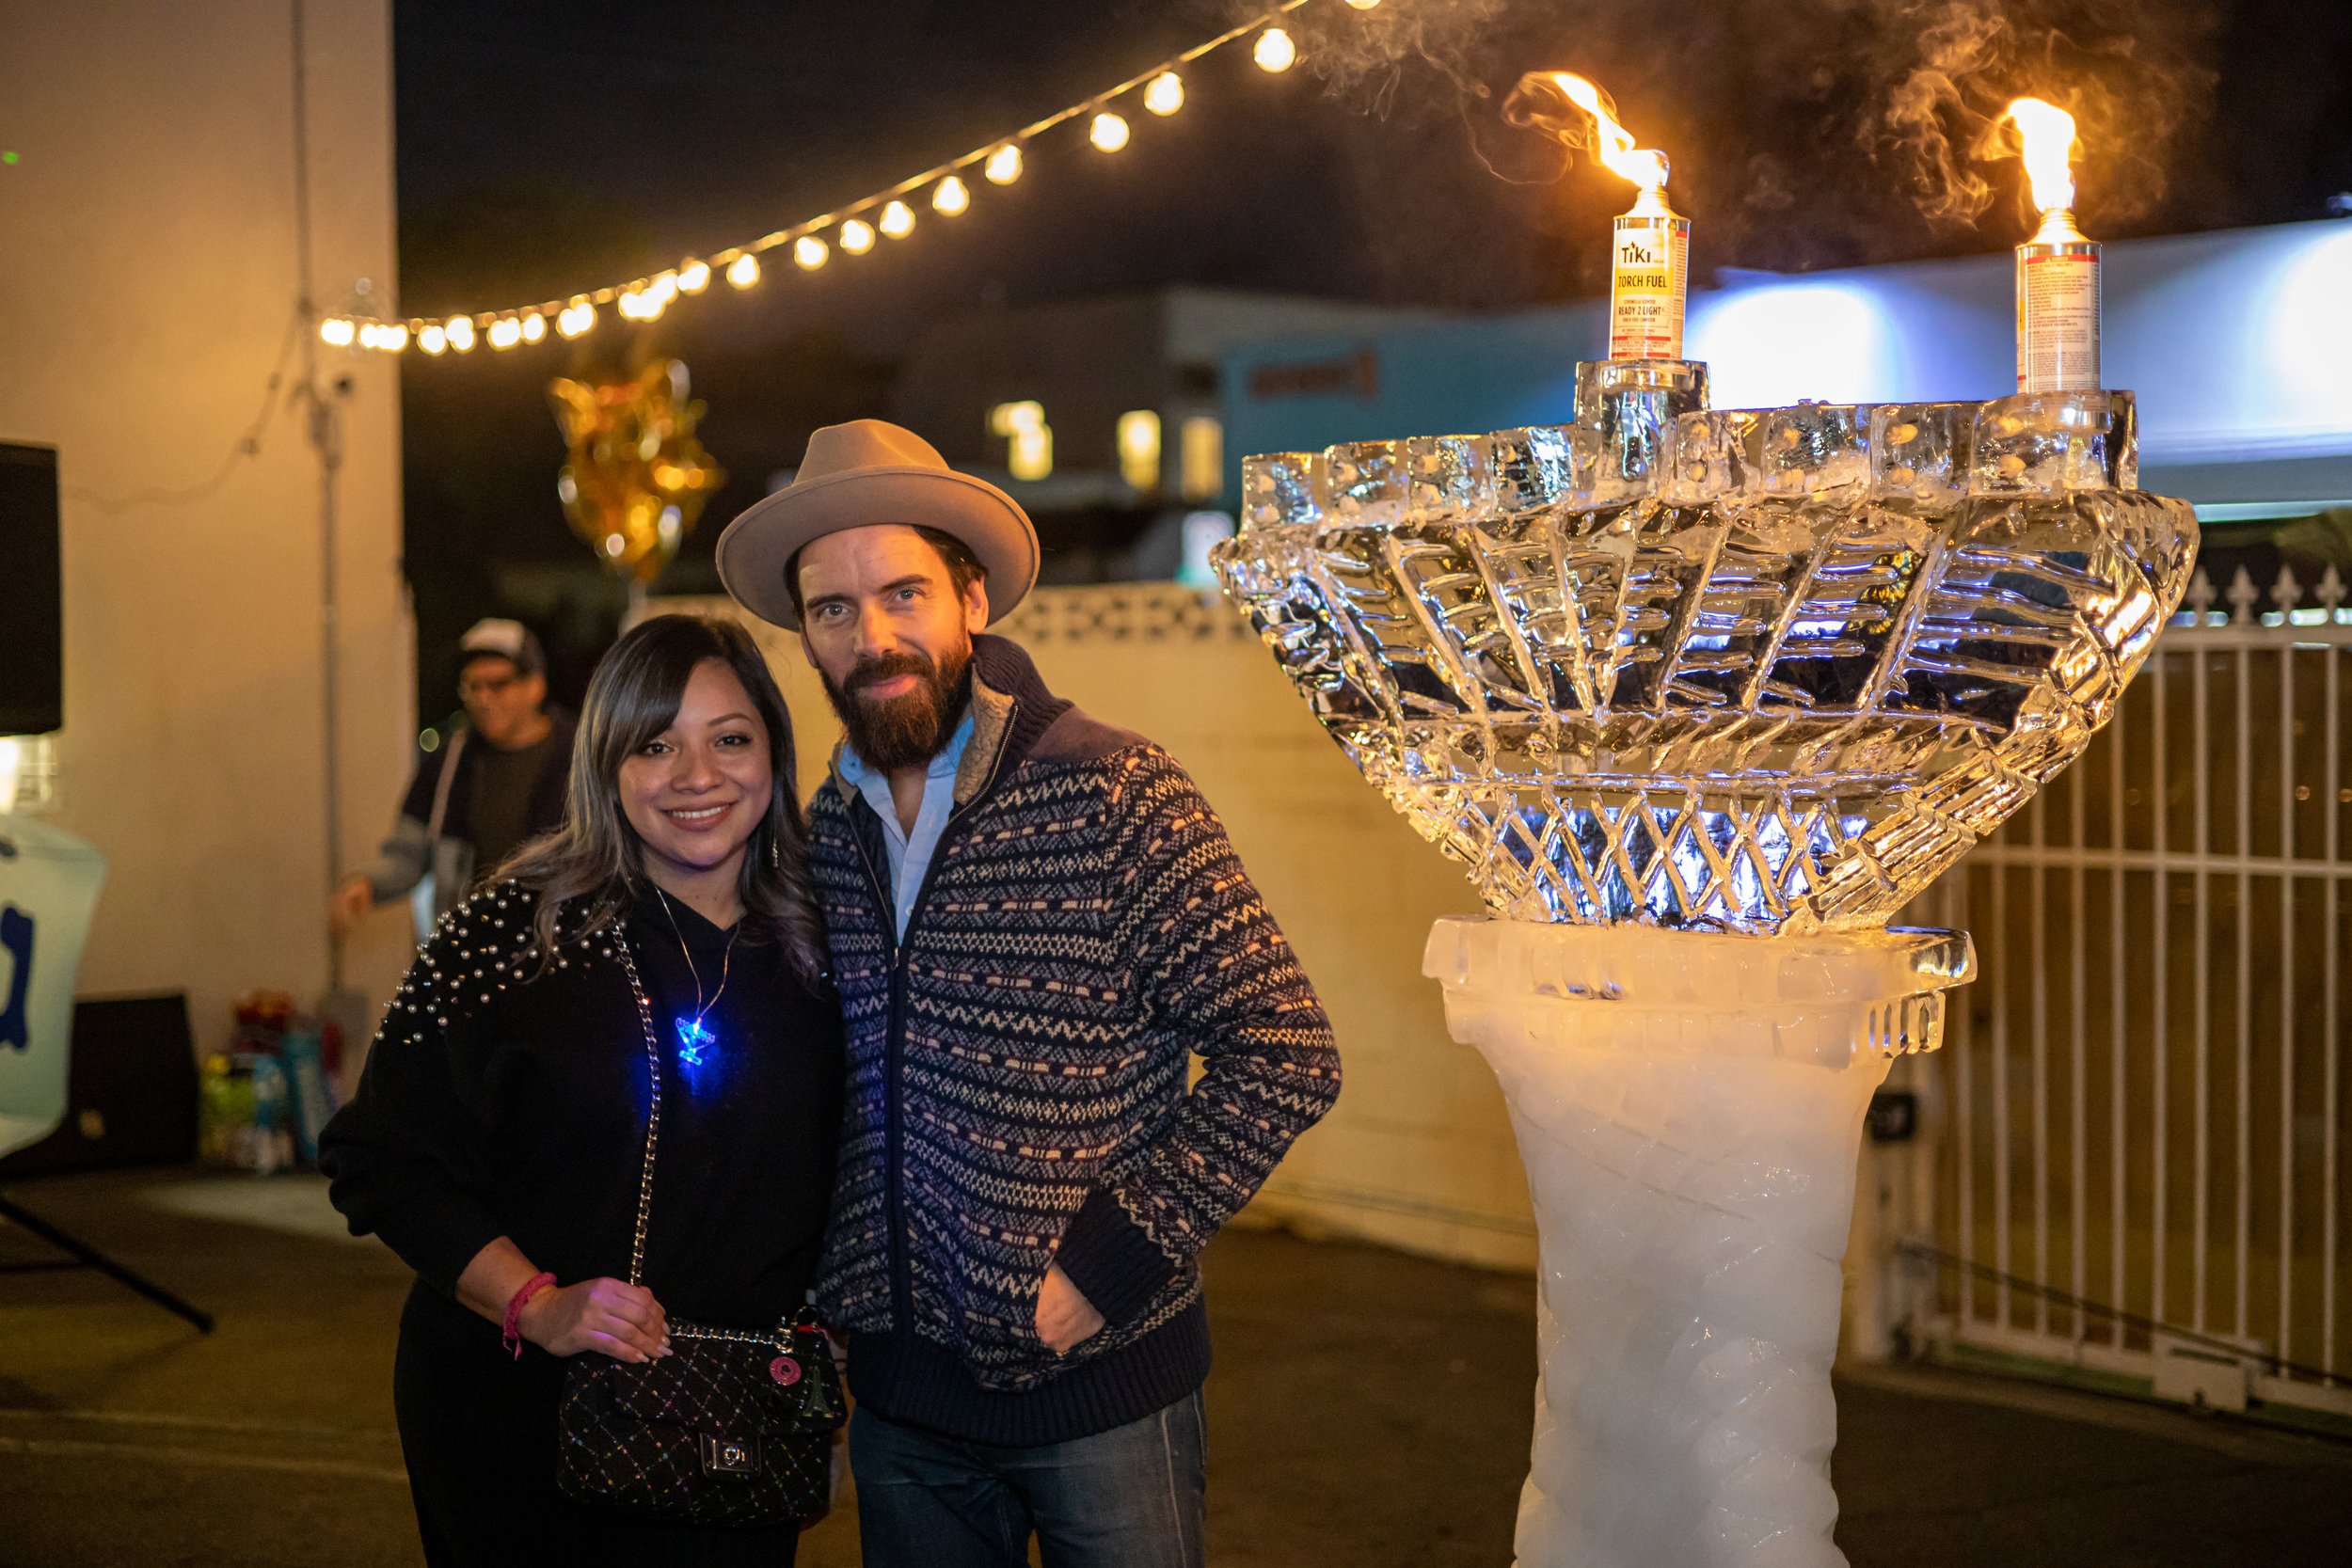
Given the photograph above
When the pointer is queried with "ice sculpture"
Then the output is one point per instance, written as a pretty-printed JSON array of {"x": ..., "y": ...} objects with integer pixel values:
[{"x": 1670, "y": 681}]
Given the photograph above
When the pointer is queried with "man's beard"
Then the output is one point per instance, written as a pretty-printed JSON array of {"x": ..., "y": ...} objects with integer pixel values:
[{"x": 903, "y": 732}]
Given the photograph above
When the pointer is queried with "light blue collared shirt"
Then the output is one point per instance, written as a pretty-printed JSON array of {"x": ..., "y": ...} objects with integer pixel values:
[{"x": 911, "y": 853}]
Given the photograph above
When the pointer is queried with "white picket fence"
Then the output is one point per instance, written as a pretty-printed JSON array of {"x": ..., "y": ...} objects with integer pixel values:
[{"x": 2132, "y": 1162}]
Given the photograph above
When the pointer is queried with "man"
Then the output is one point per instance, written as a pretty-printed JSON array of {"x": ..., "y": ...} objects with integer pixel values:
[
  {"x": 1035, "y": 922},
  {"x": 498, "y": 781}
]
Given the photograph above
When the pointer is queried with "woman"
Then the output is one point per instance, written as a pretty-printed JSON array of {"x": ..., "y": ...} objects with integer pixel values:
[{"x": 497, "y": 1140}]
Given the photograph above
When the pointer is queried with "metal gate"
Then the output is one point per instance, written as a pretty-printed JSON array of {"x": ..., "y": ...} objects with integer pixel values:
[{"x": 2133, "y": 1139}]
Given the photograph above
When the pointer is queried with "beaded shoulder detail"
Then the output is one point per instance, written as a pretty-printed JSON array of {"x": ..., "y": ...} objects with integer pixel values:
[{"x": 479, "y": 949}]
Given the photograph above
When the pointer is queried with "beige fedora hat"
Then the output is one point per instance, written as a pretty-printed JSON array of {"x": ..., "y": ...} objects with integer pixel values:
[{"x": 859, "y": 474}]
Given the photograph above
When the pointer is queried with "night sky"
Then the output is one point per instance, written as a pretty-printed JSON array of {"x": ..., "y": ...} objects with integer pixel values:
[{"x": 549, "y": 147}]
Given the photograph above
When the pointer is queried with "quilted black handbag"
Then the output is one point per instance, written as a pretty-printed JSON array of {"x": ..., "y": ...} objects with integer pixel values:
[{"x": 731, "y": 1428}]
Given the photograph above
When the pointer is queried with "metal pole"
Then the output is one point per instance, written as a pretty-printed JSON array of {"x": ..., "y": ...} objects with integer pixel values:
[{"x": 326, "y": 437}]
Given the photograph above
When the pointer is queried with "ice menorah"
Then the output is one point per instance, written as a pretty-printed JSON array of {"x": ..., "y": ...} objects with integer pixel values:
[{"x": 1701, "y": 699}]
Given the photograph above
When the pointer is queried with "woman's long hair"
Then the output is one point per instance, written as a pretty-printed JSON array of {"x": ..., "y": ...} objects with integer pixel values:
[{"x": 594, "y": 863}]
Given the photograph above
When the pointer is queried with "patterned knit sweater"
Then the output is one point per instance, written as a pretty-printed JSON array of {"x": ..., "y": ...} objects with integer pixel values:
[{"x": 1017, "y": 1074}]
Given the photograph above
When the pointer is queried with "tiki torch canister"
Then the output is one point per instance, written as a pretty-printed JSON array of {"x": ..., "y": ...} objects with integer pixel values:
[
  {"x": 1649, "y": 275},
  {"x": 2058, "y": 270}
]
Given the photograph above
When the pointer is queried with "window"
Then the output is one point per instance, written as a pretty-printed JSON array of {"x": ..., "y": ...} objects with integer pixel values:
[
  {"x": 1201, "y": 457},
  {"x": 1139, "y": 448},
  {"x": 1030, "y": 440}
]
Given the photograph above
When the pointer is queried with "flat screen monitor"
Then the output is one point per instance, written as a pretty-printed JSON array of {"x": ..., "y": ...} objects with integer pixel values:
[{"x": 32, "y": 619}]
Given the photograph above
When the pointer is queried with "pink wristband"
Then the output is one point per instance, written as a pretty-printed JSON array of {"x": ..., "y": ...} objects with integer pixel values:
[{"x": 522, "y": 1298}]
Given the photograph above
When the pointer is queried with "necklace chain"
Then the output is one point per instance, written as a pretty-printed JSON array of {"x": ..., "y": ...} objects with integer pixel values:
[{"x": 727, "y": 967}]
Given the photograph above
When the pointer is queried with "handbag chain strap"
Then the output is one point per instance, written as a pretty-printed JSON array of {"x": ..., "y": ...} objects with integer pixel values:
[{"x": 653, "y": 1107}]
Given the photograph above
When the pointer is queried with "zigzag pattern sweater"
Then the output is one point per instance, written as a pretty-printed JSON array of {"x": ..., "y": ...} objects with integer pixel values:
[{"x": 1017, "y": 1070}]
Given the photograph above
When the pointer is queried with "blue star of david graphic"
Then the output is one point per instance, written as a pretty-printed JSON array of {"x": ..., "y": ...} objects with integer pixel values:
[
  {"x": 16, "y": 939},
  {"x": 692, "y": 1041}
]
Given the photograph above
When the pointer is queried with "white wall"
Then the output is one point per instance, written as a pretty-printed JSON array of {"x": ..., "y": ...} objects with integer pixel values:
[
  {"x": 147, "y": 277},
  {"x": 1419, "y": 1153}
]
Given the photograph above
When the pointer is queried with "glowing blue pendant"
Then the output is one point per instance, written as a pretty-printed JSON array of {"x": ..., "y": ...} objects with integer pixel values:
[{"x": 693, "y": 1040}]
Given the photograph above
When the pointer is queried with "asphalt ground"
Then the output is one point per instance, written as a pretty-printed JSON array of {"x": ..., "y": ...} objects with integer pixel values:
[{"x": 1367, "y": 1409}]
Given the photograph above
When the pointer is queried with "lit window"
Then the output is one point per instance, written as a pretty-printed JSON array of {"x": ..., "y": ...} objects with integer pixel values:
[
  {"x": 1201, "y": 457},
  {"x": 1139, "y": 448},
  {"x": 1029, "y": 440}
]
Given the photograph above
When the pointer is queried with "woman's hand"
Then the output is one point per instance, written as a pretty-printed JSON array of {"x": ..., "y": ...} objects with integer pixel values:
[{"x": 607, "y": 1316}]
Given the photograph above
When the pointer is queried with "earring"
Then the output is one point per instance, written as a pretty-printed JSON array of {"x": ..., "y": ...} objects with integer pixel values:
[{"x": 775, "y": 852}]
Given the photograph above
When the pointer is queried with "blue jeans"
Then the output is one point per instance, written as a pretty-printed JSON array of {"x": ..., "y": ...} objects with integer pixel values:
[{"x": 1129, "y": 1497}]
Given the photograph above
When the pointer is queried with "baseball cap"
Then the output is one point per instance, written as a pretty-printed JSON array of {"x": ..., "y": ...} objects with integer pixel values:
[{"x": 508, "y": 640}]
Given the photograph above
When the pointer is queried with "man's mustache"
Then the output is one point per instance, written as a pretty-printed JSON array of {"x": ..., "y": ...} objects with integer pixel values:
[{"x": 888, "y": 667}]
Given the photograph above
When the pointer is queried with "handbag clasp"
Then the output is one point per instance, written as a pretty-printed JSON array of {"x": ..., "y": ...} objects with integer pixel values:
[{"x": 730, "y": 1456}]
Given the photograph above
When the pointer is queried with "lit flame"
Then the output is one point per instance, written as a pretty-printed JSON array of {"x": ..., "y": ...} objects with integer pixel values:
[
  {"x": 2047, "y": 135},
  {"x": 1543, "y": 99}
]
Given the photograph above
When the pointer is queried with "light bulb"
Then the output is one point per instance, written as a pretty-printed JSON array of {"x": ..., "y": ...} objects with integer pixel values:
[
  {"x": 577, "y": 318},
  {"x": 433, "y": 339},
  {"x": 743, "y": 271},
  {"x": 811, "y": 252},
  {"x": 459, "y": 330},
  {"x": 1275, "y": 50},
  {"x": 339, "y": 330},
  {"x": 1363, "y": 5},
  {"x": 950, "y": 195},
  {"x": 534, "y": 327},
  {"x": 506, "y": 332},
  {"x": 857, "y": 236},
  {"x": 1164, "y": 93},
  {"x": 693, "y": 277},
  {"x": 897, "y": 220},
  {"x": 1004, "y": 164},
  {"x": 1109, "y": 132},
  {"x": 391, "y": 338}
]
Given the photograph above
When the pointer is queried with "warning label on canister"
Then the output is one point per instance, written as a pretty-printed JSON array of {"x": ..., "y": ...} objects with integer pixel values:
[{"x": 2057, "y": 320}]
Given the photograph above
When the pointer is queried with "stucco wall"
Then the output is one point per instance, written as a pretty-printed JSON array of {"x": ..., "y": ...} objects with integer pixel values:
[
  {"x": 147, "y": 285},
  {"x": 1419, "y": 1153}
]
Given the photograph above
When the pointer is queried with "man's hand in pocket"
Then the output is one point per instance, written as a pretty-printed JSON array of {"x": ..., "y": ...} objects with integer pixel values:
[{"x": 1065, "y": 1319}]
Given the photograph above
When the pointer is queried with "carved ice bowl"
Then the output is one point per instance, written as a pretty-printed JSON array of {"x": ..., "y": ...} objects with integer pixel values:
[{"x": 1764, "y": 670}]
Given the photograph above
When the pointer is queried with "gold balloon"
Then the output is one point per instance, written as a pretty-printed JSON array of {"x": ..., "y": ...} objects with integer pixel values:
[{"x": 637, "y": 479}]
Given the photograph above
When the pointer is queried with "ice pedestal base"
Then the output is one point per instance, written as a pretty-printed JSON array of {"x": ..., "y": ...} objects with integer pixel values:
[{"x": 1689, "y": 1108}]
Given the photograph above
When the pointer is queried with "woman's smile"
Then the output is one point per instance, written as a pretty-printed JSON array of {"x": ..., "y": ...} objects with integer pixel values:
[{"x": 697, "y": 818}]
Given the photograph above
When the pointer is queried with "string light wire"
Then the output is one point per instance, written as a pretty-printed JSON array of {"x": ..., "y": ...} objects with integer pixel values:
[{"x": 576, "y": 312}]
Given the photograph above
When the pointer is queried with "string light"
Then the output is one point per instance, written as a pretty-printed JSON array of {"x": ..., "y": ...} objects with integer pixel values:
[
  {"x": 338, "y": 331},
  {"x": 1001, "y": 160},
  {"x": 1275, "y": 50}
]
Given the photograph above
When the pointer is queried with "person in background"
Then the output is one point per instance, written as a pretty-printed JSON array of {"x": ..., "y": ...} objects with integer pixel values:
[
  {"x": 1036, "y": 924},
  {"x": 493, "y": 786}
]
